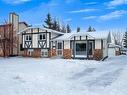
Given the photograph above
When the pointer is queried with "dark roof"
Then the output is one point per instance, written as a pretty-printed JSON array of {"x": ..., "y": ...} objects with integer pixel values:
[{"x": 24, "y": 23}]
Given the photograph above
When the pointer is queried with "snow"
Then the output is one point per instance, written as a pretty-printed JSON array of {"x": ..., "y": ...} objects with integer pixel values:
[
  {"x": 92, "y": 35},
  {"x": 44, "y": 76},
  {"x": 41, "y": 29}
]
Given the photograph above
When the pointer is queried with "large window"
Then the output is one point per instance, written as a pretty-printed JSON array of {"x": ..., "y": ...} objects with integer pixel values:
[
  {"x": 80, "y": 48},
  {"x": 28, "y": 38}
]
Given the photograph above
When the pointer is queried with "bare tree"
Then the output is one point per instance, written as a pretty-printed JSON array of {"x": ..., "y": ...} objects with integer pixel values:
[
  {"x": 6, "y": 39},
  {"x": 118, "y": 38}
]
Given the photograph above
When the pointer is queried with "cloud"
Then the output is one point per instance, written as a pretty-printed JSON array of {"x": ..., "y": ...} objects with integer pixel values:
[
  {"x": 82, "y": 10},
  {"x": 113, "y": 15},
  {"x": 90, "y": 3},
  {"x": 53, "y": 3},
  {"x": 114, "y": 3},
  {"x": 14, "y": 2},
  {"x": 68, "y": 20},
  {"x": 89, "y": 17}
]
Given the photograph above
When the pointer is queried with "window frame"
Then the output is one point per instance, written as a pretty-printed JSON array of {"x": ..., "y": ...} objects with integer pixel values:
[
  {"x": 43, "y": 36},
  {"x": 28, "y": 37}
]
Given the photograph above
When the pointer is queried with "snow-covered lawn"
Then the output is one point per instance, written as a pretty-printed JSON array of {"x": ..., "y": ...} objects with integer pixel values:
[{"x": 29, "y": 76}]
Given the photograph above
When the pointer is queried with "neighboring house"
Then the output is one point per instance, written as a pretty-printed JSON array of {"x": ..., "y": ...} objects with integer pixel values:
[
  {"x": 124, "y": 51},
  {"x": 36, "y": 42},
  {"x": 9, "y": 31},
  {"x": 22, "y": 26}
]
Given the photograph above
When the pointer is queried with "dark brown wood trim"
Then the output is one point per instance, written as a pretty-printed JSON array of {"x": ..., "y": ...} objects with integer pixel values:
[
  {"x": 87, "y": 47},
  {"x": 63, "y": 45},
  {"x": 46, "y": 38},
  {"x": 74, "y": 48},
  {"x": 101, "y": 44},
  {"x": 80, "y": 37},
  {"x": 34, "y": 33}
]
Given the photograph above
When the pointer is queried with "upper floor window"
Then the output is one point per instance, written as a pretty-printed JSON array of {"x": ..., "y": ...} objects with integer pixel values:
[
  {"x": 28, "y": 38},
  {"x": 42, "y": 36}
]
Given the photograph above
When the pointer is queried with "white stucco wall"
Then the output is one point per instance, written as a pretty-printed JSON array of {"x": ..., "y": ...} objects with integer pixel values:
[
  {"x": 66, "y": 44},
  {"x": 35, "y": 41},
  {"x": 105, "y": 48},
  {"x": 98, "y": 44},
  {"x": 48, "y": 38}
]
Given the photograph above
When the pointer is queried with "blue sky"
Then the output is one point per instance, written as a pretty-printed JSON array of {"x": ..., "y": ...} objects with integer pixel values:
[{"x": 100, "y": 14}]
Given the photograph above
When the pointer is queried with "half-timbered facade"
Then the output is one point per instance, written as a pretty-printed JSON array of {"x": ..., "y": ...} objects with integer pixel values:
[
  {"x": 42, "y": 42},
  {"x": 36, "y": 42}
]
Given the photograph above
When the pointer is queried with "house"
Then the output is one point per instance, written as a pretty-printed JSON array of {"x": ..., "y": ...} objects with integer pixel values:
[
  {"x": 42, "y": 42},
  {"x": 22, "y": 26},
  {"x": 8, "y": 36},
  {"x": 9, "y": 31},
  {"x": 31, "y": 41}
]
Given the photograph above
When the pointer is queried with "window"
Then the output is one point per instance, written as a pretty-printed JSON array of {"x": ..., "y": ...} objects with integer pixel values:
[
  {"x": 44, "y": 53},
  {"x": 59, "y": 45},
  {"x": 80, "y": 48},
  {"x": 59, "y": 49},
  {"x": 42, "y": 36},
  {"x": 28, "y": 38}
]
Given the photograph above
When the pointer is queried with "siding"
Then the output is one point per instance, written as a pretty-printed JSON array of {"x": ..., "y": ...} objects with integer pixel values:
[
  {"x": 97, "y": 44},
  {"x": 66, "y": 44}
]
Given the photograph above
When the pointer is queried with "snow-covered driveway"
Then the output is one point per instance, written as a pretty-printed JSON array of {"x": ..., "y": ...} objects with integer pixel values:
[{"x": 29, "y": 76}]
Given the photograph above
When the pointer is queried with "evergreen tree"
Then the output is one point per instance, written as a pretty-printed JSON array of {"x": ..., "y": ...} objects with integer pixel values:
[
  {"x": 68, "y": 29},
  {"x": 93, "y": 30},
  {"x": 125, "y": 40},
  {"x": 48, "y": 22},
  {"x": 89, "y": 29},
  {"x": 54, "y": 25},
  {"x": 78, "y": 29}
]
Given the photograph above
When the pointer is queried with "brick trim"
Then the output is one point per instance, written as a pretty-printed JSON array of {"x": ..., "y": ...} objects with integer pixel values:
[
  {"x": 97, "y": 54},
  {"x": 67, "y": 53}
]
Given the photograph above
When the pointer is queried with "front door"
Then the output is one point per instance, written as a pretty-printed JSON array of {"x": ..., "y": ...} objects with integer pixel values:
[{"x": 59, "y": 48}]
